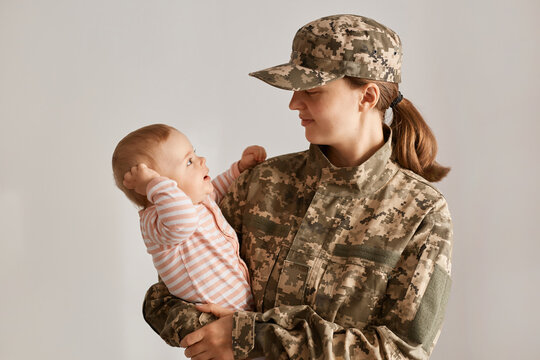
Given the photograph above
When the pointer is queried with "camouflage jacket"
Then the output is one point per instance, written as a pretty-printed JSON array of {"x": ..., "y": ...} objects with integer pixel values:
[{"x": 346, "y": 263}]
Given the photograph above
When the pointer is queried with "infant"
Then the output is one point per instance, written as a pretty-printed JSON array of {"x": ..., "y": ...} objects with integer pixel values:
[{"x": 194, "y": 249}]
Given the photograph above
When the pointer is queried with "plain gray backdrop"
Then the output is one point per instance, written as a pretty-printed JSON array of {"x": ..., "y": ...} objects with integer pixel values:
[{"x": 76, "y": 76}]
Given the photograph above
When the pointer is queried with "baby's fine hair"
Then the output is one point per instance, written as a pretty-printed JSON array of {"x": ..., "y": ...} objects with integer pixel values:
[{"x": 137, "y": 147}]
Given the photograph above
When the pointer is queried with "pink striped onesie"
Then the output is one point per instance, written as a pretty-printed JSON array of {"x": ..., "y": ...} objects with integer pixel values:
[{"x": 194, "y": 249}]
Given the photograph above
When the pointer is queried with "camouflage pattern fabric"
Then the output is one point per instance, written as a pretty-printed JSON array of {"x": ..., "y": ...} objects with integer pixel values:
[
  {"x": 336, "y": 46},
  {"x": 346, "y": 263}
]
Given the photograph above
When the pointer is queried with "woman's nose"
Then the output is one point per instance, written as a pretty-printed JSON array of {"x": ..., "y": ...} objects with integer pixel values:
[{"x": 296, "y": 101}]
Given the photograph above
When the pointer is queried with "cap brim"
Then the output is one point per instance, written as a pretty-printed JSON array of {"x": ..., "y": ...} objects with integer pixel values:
[{"x": 293, "y": 77}]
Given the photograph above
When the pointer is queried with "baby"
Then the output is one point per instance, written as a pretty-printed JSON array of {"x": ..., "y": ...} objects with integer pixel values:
[{"x": 194, "y": 249}]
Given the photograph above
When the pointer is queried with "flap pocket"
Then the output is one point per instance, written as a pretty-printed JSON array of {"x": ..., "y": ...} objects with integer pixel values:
[{"x": 292, "y": 284}]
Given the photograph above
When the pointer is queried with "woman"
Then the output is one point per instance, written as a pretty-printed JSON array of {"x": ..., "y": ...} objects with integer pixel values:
[{"x": 348, "y": 245}]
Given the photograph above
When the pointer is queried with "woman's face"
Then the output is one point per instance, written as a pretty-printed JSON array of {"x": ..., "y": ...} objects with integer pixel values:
[{"x": 330, "y": 113}]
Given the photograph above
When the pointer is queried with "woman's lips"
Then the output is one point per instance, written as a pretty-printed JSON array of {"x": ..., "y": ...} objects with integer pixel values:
[{"x": 306, "y": 122}]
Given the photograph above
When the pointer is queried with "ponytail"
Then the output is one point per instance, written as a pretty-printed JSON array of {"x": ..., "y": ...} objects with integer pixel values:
[{"x": 414, "y": 145}]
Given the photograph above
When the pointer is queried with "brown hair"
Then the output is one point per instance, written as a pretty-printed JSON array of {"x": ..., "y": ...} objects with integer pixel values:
[
  {"x": 414, "y": 145},
  {"x": 137, "y": 147}
]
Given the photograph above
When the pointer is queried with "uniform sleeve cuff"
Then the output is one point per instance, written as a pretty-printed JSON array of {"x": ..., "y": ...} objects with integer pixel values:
[{"x": 243, "y": 334}]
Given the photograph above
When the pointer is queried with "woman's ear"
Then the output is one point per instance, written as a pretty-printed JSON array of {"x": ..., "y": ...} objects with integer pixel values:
[{"x": 370, "y": 97}]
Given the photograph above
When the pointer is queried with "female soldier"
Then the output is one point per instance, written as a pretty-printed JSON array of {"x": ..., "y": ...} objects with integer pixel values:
[{"x": 348, "y": 245}]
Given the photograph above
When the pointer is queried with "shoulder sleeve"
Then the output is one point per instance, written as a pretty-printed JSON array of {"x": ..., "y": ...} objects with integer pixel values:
[
  {"x": 407, "y": 327},
  {"x": 223, "y": 181},
  {"x": 419, "y": 287}
]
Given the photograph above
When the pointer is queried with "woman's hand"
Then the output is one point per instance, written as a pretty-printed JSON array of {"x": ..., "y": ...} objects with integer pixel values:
[
  {"x": 251, "y": 156},
  {"x": 213, "y": 341}
]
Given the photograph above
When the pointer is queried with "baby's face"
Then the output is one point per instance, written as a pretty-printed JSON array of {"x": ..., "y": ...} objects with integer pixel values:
[{"x": 178, "y": 162}]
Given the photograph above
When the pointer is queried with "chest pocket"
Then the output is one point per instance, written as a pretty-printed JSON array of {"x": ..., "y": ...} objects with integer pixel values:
[{"x": 353, "y": 284}]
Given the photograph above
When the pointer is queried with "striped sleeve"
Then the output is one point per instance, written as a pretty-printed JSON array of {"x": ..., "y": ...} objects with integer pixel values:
[
  {"x": 176, "y": 218},
  {"x": 223, "y": 181}
]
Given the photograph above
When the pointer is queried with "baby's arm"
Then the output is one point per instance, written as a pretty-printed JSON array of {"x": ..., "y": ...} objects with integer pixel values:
[
  {"x": 251, "y": 156},
  {"x": 176, "y": 215}
]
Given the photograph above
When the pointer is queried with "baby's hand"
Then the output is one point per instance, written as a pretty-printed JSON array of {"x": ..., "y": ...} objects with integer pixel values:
[
  {"x": 138, "y": 178},
  {"x": 251, "y": 156}
]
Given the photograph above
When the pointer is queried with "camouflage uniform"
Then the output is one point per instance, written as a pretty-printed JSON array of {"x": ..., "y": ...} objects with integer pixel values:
[{"x": 346, "y": 263}]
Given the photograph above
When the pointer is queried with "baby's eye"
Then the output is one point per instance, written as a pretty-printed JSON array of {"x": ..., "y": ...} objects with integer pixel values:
[{"x": 189, "y": 162}]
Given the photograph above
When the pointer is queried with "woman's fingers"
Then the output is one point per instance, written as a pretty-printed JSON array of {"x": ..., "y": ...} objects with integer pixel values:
[
  {"x": 197, "y": 349},
  {"x": 215, "y": 309},
  {"x": 213, "y": 340},
  {"x": 192, "y": 338},
  {"x": 203, "y": 356}
]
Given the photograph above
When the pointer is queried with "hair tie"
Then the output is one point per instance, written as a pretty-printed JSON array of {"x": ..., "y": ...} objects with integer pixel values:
[{"x": 397, "y": 100}]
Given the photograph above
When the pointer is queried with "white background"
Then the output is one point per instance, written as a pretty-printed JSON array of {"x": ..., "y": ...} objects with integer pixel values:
[{"x": 76, "y": 76}]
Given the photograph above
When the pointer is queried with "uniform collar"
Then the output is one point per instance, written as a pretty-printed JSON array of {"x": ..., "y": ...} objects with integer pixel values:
[{"x": 366, "y": 178}]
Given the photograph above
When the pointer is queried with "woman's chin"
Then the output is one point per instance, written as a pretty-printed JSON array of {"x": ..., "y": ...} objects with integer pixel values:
[{"x": 314, "y": 138}]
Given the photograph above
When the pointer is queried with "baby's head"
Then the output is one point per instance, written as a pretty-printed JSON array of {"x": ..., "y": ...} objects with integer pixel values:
[
  {"x": 137, "y": 147},
  {"x": 167, "y": 151}
]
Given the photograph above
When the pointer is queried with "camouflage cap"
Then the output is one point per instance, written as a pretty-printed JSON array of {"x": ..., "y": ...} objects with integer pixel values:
[{"x": 336, "y": 46}]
